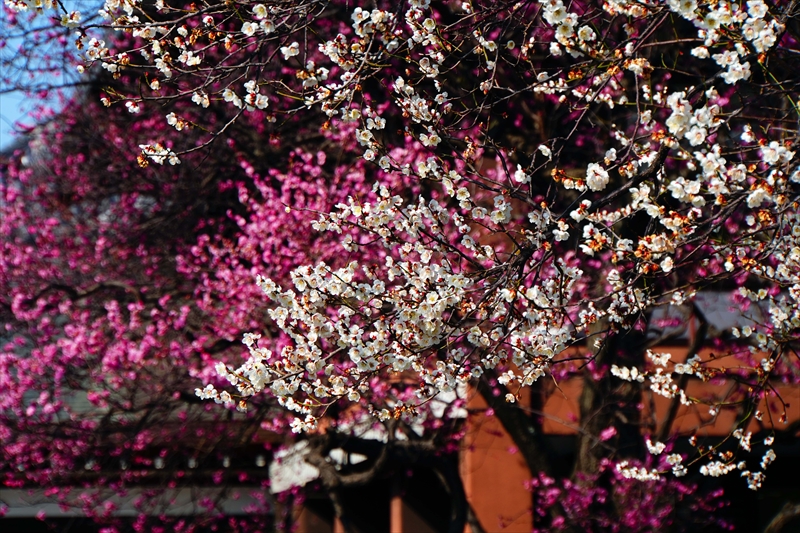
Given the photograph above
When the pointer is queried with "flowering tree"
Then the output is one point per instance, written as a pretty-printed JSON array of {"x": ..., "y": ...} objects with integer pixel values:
[
  {"x": 529, "y": 187},
  {"x": 122, "y": 286}
]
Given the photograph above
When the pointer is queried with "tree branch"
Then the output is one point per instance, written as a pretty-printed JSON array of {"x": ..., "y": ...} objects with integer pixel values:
[{"x": 788, "y": 513}]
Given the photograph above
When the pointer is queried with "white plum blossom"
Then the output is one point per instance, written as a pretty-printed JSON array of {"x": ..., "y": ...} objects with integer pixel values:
[
  {"x": 249, "y": 28},
  {"x": 596, "y": 177},
  {"x": 260, "y": 11},
  {"x": 520, "y": 176},
  {"x": 545, "y": 151},
  {"x": 290, "y": 51}
]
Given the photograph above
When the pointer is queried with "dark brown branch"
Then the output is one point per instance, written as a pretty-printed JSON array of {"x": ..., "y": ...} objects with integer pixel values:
[
  {"x": 75, "y": 294},
  {"x": 472, "y": 520},
  {"x": 605, "y": 404},
  {"x": 334, "y": 482},
  {"x": 450, "y": 478},
  {"x": 318, "y": 457},
  {"x": 787, "y": 514}
]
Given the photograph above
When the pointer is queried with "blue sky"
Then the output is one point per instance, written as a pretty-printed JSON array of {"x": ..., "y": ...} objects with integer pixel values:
[{"x": 11, "y": 106}]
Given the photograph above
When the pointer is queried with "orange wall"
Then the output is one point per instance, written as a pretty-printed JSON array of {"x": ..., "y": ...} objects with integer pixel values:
[{"x": 494, "y": 475}]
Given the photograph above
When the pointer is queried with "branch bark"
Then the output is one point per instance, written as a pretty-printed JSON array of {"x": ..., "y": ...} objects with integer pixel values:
[
  {"x": 472, "y": 520},
  {"x": 459, "y": 507},
  {"x": 787, "y": 514},
  {"x": 334, "y": 481},
  {"x": 605, "y": 404}
]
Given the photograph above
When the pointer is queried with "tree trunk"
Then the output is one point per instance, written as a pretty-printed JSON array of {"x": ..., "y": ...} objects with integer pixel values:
[{"x": 609, "y": 407}]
